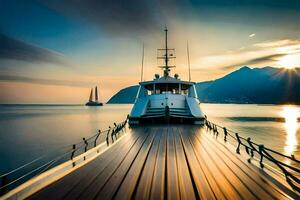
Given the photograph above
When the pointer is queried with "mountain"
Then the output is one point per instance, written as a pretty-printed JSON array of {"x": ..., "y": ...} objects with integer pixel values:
[
  {"x": 124, "y": 96},
  {"x": 258, "y": 85},
  {"x": 266, "y": 85}
]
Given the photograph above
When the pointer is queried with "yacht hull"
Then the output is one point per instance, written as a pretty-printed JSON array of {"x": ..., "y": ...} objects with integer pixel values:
[
  {"x": 166, "y": 108},
  {"x": 164, "y": 120}
]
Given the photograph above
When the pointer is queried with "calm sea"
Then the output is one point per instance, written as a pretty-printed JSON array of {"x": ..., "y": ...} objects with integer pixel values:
[{"x": 27, "y": 131}]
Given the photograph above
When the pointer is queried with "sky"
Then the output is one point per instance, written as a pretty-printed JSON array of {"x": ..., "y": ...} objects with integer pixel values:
[{"x": 54, "y": 51}]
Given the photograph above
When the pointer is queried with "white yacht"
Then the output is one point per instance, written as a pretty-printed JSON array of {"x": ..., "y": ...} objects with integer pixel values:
[{"x": 166, "y": 98}]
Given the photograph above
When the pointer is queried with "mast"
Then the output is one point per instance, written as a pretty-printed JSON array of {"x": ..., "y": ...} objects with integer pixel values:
[
  {"x": 96, "y": 94},
  {"x": 166, "y": 56},
  {"x": 91, "y": 95},
  {"x": 142, "y": 71}
]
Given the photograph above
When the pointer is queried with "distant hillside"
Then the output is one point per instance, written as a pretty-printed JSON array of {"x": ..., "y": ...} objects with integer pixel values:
[
  {"x": 124, "y": 96},
  {"x": 258, "y": 85},
  {"x": 266, "y": 85}
]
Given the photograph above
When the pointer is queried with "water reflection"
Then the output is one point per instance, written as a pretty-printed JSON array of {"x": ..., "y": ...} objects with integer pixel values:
[{"x": 290, "y": 114}]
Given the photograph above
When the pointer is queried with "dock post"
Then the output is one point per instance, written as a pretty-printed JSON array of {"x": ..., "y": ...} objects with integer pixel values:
[
  {"x": 252, "y": 148},
  {"x": 260, "y": 150},
  {"x": 247, "y": 149},
  {"x": 293, "y": 157},
  {"x": 116, "y": 130},
  {"x": 107, "y": 140},
  {"x": 123, "y": 126},
  {"x": 72, "y": 154},
  {"x": 112, "y": 135},
  {"x": 239, "y": 143},
  {"x": 86, "y": 145},
  {"x": 210, "y": 126},
  {"x": 225, "y": 134},
  {"x": 217, "y": 132},
  {"x": 95, "y": 142}
]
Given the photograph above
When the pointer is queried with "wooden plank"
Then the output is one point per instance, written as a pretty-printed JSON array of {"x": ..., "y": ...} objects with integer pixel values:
[
  {"x": 158, "y": 182},
  {"x": 130, "y": 180},
  {"x": 86, "y": 180},
  {"x": 211, "y": 178},
  {"x": 185, "y": 181},
  {"x": 114, "y": 182},
  {"x": 166, "y": 162},
  {"x": 204, "y": 188},
  {"x": 217, "y": 179},
  {"x": 258, "y": 179},
  {"x": 240, "y": 186},
  {"x": 64, "y": 185},
  {"x": 173, "y": 191},
  {"x": 98, "y": 183},
  {"x": 144, "y": 186}
]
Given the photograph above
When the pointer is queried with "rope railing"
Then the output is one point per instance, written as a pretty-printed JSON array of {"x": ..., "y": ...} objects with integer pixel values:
[
  {"x": 16, "y": 177},
  {"x": 262, "y": 153}
]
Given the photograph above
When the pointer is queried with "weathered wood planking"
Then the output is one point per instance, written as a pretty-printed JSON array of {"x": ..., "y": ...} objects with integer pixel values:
[{"x": 168, "y": 162}]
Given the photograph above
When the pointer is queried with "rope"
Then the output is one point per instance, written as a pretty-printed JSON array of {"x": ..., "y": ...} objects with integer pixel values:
[
  {"x": 271, "y": 150},
  {"x": 31, "y": 162},
  {"x": 28, "y": 173},
  {"x": 45, "y": 155},
  {"x": 263, "y": 152}
]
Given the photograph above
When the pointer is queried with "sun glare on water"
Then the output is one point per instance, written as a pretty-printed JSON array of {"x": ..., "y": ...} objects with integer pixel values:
[
  {"x": 289, "y": 61},
  {"x": 290, "y": 114}
]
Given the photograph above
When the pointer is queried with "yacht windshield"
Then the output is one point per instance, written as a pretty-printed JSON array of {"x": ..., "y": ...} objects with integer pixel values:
[{"x": 171, "y": 88}]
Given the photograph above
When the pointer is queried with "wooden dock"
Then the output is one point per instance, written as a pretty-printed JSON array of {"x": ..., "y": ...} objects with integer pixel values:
[{"x": 169, "y": 162}]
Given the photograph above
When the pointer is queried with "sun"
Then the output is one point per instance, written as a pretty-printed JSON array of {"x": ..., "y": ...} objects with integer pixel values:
[{"x": 289, "y": 61}]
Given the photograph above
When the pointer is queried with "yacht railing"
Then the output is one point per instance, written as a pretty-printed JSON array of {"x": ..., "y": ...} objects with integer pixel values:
[
  {"x": 288, "y": 166},
  {"x": 57, "y": 162}
]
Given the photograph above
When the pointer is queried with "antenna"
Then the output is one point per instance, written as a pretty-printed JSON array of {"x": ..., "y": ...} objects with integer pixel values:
[
  {"x": 142, "y": 70},
  {"x": 188, "y": 56}
]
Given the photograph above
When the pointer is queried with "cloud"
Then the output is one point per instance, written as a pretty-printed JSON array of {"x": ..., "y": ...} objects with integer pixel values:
[
  {"x": 113, "y": 16},
  {"x": 277, "y": 43},
  {"x": 273, "y": 57},
  {"x": 9, "y": 78},
  {"x": 272, "y": 53},
  {"x": 136, "y": 16},
  {"x": 11, "y": 48},
  {"x": 255, "y": 61},
  {"x": 252, "y": 35}
]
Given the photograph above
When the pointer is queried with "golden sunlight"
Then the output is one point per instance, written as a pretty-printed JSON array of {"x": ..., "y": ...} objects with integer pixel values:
[
  {"x": 289, "y": 61},
  {"x": 290, "y": 114}
]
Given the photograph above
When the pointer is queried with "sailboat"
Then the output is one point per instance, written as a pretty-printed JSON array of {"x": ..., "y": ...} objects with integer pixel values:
[{"x": 96, "y": 102}]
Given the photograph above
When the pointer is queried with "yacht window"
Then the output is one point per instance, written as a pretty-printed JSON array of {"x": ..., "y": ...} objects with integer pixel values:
[
  {"x": 150, "y": 89},
  {"x": 170, "y": 88},
  {"x": 163, "y": 88},
  {"x": 184, "y": 92}
]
